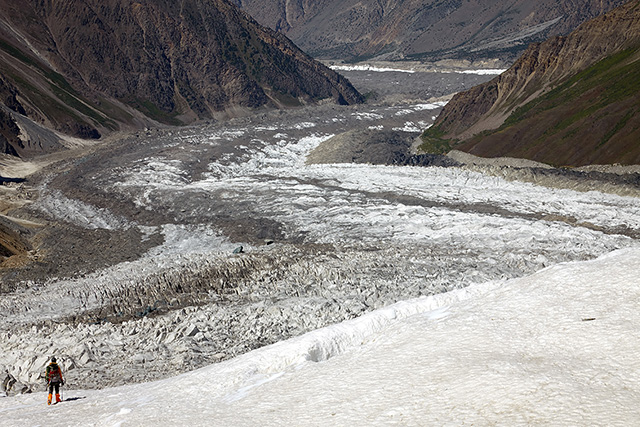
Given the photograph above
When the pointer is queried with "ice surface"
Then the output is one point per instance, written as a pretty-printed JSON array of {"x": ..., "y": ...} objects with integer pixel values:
[
  {"x": 349, "y": 239},
  {"x": 56, "y": 205},
  {"x": 558, "y": 347},
  {"x": 485, "y": 71},
  {"x": 370, "y": 68}
]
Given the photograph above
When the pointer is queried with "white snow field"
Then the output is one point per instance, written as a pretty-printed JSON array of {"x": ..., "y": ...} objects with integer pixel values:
[
  {"x": 559, "y": 347},
  {"x": 411, "y": 70}
]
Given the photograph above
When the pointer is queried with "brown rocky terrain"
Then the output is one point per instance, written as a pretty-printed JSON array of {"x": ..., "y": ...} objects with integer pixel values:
[
  {"x": 422, "y": 29},
  {"x": 570, "y": 101},
  {"x": 90, "y": 68}
]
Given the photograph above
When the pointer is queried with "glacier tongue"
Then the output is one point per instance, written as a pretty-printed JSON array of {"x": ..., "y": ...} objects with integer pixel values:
[{"x": 344, "y": 240}]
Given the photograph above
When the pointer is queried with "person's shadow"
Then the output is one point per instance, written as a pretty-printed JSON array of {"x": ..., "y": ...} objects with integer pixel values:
[{"x": 69, "y": 399}]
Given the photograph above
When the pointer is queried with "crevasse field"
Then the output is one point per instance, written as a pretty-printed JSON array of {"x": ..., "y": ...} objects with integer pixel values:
[
  {"x": 558, "y": 348},
  {"x": 364, "y": 294}
]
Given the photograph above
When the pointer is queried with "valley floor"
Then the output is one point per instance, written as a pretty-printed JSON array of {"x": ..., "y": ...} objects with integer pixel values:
[{"x": 138, "y": 270}]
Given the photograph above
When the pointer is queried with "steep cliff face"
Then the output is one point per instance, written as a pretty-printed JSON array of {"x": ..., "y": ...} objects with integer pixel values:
[
  {"x": 90, "y": 67},
  {"x": 568, "y": 101},
  {"x": 424, "y": 29}
]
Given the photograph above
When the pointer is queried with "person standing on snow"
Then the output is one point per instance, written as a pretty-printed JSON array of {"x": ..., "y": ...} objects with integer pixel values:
[{"x": 53, "y": 376}]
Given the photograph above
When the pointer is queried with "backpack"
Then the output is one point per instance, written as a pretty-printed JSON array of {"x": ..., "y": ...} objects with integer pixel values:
[{"x": 54, "y": 374}]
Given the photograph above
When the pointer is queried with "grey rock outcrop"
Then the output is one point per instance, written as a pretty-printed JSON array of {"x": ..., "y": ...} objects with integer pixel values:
[
  {"x": 426, "y": 29},
  {"x": 378, "y": 147}
]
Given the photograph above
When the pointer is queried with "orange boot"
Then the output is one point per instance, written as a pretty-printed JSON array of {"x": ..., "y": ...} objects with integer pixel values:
[
  {"x": 49, "y": 399},
  {"x": 58, "y": 400}
]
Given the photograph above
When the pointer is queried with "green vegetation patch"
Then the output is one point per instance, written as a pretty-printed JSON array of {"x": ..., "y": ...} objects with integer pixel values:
[
  {"x": 611, "y": 80},
  {"x": 618, "y": 127},
  {"x": 18, "y": 54},
  {"x": 78, "y": 105},
  {"x": 152, "y": 111},
  {"x": 59, "y": 86},
  {"x": 569, "y": 124},
  {"x": 433, "y": 141},
  {"x": 51, "y": 107}
]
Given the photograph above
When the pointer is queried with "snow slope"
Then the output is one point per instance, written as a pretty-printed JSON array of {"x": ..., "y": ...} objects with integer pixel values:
[{"x": 559, "y": 347}]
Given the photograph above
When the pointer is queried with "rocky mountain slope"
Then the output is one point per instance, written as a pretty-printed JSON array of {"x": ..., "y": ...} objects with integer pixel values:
[
  {"x": 93, "y": 67},
  {"x": 423, "y": 29},
  {"x": 568, "y": 101}
]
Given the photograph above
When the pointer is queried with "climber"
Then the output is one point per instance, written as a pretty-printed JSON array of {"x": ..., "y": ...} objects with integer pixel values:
[{"x": 54, "y": 379}]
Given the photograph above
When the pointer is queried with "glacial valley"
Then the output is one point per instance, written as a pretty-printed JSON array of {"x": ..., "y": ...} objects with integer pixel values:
[{"x": 173, "y": 248}]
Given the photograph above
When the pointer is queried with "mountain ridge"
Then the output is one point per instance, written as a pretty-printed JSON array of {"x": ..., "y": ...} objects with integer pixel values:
[
  {"x": 422, "y": 29},
  {"x": 569, "y": 101},
  {"x": 96, "y": 67}
]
